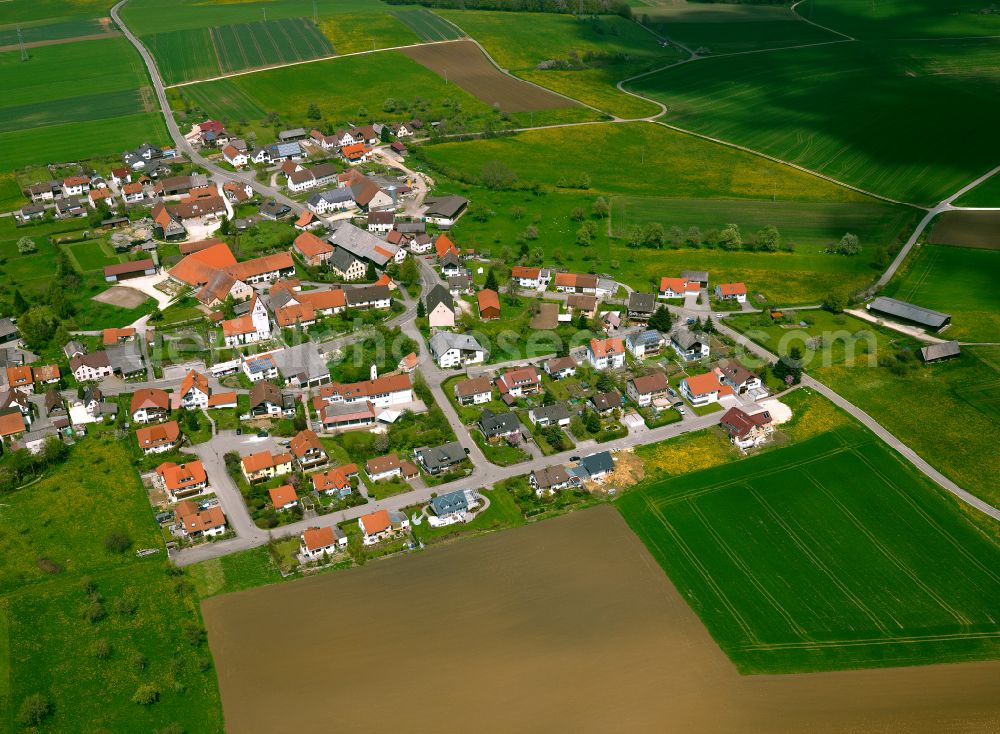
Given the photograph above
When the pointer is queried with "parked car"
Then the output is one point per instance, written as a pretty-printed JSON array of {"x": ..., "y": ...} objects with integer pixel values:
[{"x": 261, "y": 434}]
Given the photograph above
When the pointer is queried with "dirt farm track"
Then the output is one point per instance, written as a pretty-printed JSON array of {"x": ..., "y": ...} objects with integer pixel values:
[
  {"x": 464, "y": 64},
  {"x": 967, "y": 229}
]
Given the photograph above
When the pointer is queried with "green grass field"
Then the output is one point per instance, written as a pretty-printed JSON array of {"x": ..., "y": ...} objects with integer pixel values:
[
  {"x": 340, "y": 87},
  {"x": 91, "y": 256},
  {"x": 805, "y": 106},
  {"x": 723, "y": 186},
  {"x": 610, "y": 49},
  {"x": 183, "y": 55},
  {"x": 903, "y": 18},
  {"x": 362, "y": 31},
  {"x": 720, "y": 28},
  {"x": 428, "y": 26},
  {"x": 54, "y": 539},
  {"x": 636, "y": 159},
  {"x": 250, "y": 45},
  {"x": 985, "y": 194},
  {"x": 50, "y": 11},
  {"x": 50, "y": 115},
  {"x": 956, "y": 280},
  {"x": 43, "y": 31},
  {"x": 829, "y": 554}
]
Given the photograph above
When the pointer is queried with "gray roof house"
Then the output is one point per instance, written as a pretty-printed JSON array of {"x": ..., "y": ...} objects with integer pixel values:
[
  {"x": 439, "y": 458},
  {"x": 465, "y": 349},
  {"x": 449, "y": 504},
  {"x": 362, "y": 244},
  {"x": 498, "y": 425},
  {"x": 597, "y": 465},
  {"x": 904, "y": 311},
  {"x": 126, "y": 359},
  {"x": 699, "y": 276},
  {"x": 302, "y": 365},
  {"x": 557, "y": 414},
  {"x": 641, "y": 306},
  {"x": 550, "y": 478}
]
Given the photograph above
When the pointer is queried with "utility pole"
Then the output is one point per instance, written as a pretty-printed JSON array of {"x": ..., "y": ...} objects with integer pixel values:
[
  {"x": 20, "y": 42},
  {"x": 446, "y": 76},
  {"x": 265, "y": 14}
]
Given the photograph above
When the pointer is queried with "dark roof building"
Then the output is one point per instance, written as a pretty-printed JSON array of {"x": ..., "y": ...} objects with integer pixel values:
[
  {"x": 447, "y": 504},
  {"x": 903, "y": 311},
  {"x": 936, "y": 352},
  {"x": 439, "y": 458}
]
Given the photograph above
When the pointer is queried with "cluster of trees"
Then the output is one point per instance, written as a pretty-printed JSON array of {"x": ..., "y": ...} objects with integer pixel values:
[
  {"x": 729, "y": 237},
  {"x": 40, "y": 323},
  {"x": 585, "y": 7},
  {"x": 22, "y": 466},
  {"x": 789, "y": 367},
  {"x": 848, "y": 245}
]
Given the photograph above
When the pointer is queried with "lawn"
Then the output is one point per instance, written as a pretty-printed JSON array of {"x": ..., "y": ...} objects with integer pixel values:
[
  {"x": 233, "y": 572},
  {"x": 49, "y": 551},
  {"x": 719, "y": 28},
  {"x": 595, "y": 53},
  {"x": 802, "y": 106},
  {"x": 365, "y": 31},
  {"x": 501, "y": 514},
  {"x": 830, "y": 554},
  {"x": 91, "y": 255},
  {"x": 956, "y": 280}
]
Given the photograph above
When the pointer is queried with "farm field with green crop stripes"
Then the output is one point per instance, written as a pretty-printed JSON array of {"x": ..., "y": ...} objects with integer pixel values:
[
  {"x": 833, "y": 553},
  {"x": 837, "y": 109},
  {"x": 183, "y": 55},
  {"x": 43, "y": 31},
  {"x": 251, "y": 45},
  {"x": 74, "y": 109},
  {"x": 427, "y": 25},
  {"x": 960, "y": 281}
]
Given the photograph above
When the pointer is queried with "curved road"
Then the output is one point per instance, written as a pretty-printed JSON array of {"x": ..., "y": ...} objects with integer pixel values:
[{"x": 175, "y": 132}]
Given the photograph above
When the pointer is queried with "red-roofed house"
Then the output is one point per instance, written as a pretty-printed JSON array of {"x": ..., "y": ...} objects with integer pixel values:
[
  {"x": 382, "y": 392},
  {"x": 159, "y": 438},
  {"x": 308, "y": 450},
  {"x": 605, "y": 354},
  {"x": 519, "y": 382},
  {"x": 336, "y": 481},
  {"x": 181, "y": 481},
  {"x": 313, "y": 250},
  {"x": 747, "y": 430},
  {"x": 284, "y": 497},
  {"x": 208, "y": 523},
  {"x": 443, "y": 245},
  {"x": 20, "y": 378},
  {"x": 377, "y": 526},
  {"x": 677, "y": 287},
  {"x": 265, "y": 465},
  {"x": 194, "y": 391},
  {"x": 731, "y": 292},
  {"x": 12, "y": 424},
  {"x": 149, "y": 405},
  {"x": 319, "y": 542},
  {"x": 704, "y": 389},
  {"x": 489, "y": 304}
]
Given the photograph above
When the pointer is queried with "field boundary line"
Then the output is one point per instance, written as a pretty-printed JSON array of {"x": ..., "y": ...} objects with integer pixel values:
[
  {"x": 696, "y": 563},
  {"x": 867, "y": 641},
  {"x": 747, "y": 571},
  {"x": 818, "y": 563},
  {"x": 891, "y": 557}
]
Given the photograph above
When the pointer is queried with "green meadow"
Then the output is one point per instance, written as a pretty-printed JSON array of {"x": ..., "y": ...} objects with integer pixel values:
[
  {"x": 957, "y": 280},
  {"x": 985, "y": 194},
  {"x": 890, "y": 19},
  {"x": 85, "y": 626},
  {"x": 720, "y": 28},
  {"x": 832, "y": 553},
  {"x": 603, "y": 51},
  {"x": 50, "y": 115},
  {"x": 837, "y": 109}
]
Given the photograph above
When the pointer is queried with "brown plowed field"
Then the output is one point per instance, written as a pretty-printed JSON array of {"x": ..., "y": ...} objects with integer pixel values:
[
  {"x": 567, "y": 625},
  {"x": 967, "y": 229},
  {"x": 464, "y": 64}
]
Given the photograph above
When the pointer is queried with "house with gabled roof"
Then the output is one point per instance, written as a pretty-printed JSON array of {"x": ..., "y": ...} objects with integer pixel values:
[
  {"x": 559, "y": 368},
  {"x": 159, "y": 438},
  {"x": 318, "y": 543},
  {"x": 149, "y": 405},
  {"x": 644, "y": 390},
  {"x": 307, "y": 449},
  {"x": 549, "y": 479},
  {"x": 382, "y": 524},
  {"x": 605, "y": 354},
  {"x": 265, "y": 465},
  {"x": 678, "y": 288},
  {"x": 199, "y": 523},
  {"x": 335, "y": 481},
  {"x": 731, "y": 292},
  {"x": 747, "y": 428},
  {"x": 181, "y": 481},
  {"x": 314, "y": 251},
  {"x": 284, "y": 497},
  {"x": 194, "y": 391},
  {"x": 690, "y": 346},
  {"x": 389, "y": 466},
  {"x": 440, "y": 307},
  {"x": 704, "y": 388},
  {"x": 475, "y": 391}
]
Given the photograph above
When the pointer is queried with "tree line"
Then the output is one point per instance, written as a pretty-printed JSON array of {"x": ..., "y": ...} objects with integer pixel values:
[{"x": 585, "y": 7}]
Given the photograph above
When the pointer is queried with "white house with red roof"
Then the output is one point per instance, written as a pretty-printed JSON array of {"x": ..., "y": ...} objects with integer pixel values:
[
  {"x": 194, "y": 391},
  {"x": 320, "y": 542},
  {"x": 519, "y": 382},
  {"x": 606, "y": 354},
  {"x": 378, "y": 526},
  {"x": 253, "y": 326},
  {"x": 678, "y": 287},
  {"x": 381, "y": 392},
  {"x": 731, "y": 292},
  {"x": 704, "y": 388}
]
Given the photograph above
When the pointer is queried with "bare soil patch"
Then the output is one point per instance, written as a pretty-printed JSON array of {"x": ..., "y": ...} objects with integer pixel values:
[
  {"x": 547, "y": 316},
  {"x": 464, "y": 64},
  {"x": 564, "y": 625},
  {"x": 122, "y": 296},
  {"x": 980, "y": 230}
]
